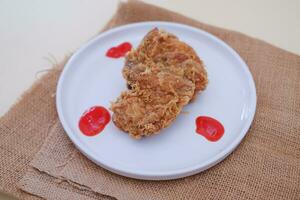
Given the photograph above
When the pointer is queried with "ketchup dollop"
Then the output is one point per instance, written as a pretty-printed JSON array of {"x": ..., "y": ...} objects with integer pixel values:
[
  {"x": 119, "y": 51},
  {"x": 210, "y": 128},
  {"x": 94, "y": 120}
]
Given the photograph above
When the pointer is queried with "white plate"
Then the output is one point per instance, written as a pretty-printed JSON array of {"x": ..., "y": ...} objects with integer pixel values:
[{"x": 90, "y": 78}]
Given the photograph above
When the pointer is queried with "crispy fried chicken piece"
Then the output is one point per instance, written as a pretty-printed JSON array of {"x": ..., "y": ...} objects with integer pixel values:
[
  {"x": 165, "y": 51},
  {"x": 164, "y": 74}
]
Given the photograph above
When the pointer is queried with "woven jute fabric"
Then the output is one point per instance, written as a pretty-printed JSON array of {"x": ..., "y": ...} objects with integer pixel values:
[{"x": 266, "y": 165}]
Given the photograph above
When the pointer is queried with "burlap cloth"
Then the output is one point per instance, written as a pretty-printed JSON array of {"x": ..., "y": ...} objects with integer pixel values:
[{"x": 39, "y": 161}]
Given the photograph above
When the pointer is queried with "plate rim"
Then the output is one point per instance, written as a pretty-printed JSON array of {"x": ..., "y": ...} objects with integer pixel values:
[{"x": 173, "y": 174}]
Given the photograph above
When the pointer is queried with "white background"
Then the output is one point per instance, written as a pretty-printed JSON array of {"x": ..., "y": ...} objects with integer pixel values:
[{"x": 33, "y": 31}]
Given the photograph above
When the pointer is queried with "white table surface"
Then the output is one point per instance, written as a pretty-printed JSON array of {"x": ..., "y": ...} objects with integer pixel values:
[{"x": 34, "y": 31}]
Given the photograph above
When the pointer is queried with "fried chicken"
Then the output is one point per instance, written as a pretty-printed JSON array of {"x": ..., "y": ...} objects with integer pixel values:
[{"x": 164, "y": 75}]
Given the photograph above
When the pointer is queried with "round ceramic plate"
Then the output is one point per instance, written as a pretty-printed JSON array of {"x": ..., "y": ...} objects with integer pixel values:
[{"x": 90, "y": 78}]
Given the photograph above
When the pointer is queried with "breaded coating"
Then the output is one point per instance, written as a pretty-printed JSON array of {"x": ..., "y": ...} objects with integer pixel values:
[{"x": 164, "y": 75}]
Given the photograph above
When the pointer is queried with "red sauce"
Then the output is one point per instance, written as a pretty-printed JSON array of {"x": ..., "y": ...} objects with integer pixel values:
[
  {"x": 119, "y": 51},
  {"x": 94, "y": 120},
  {"x": 210, "y": 128}
]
